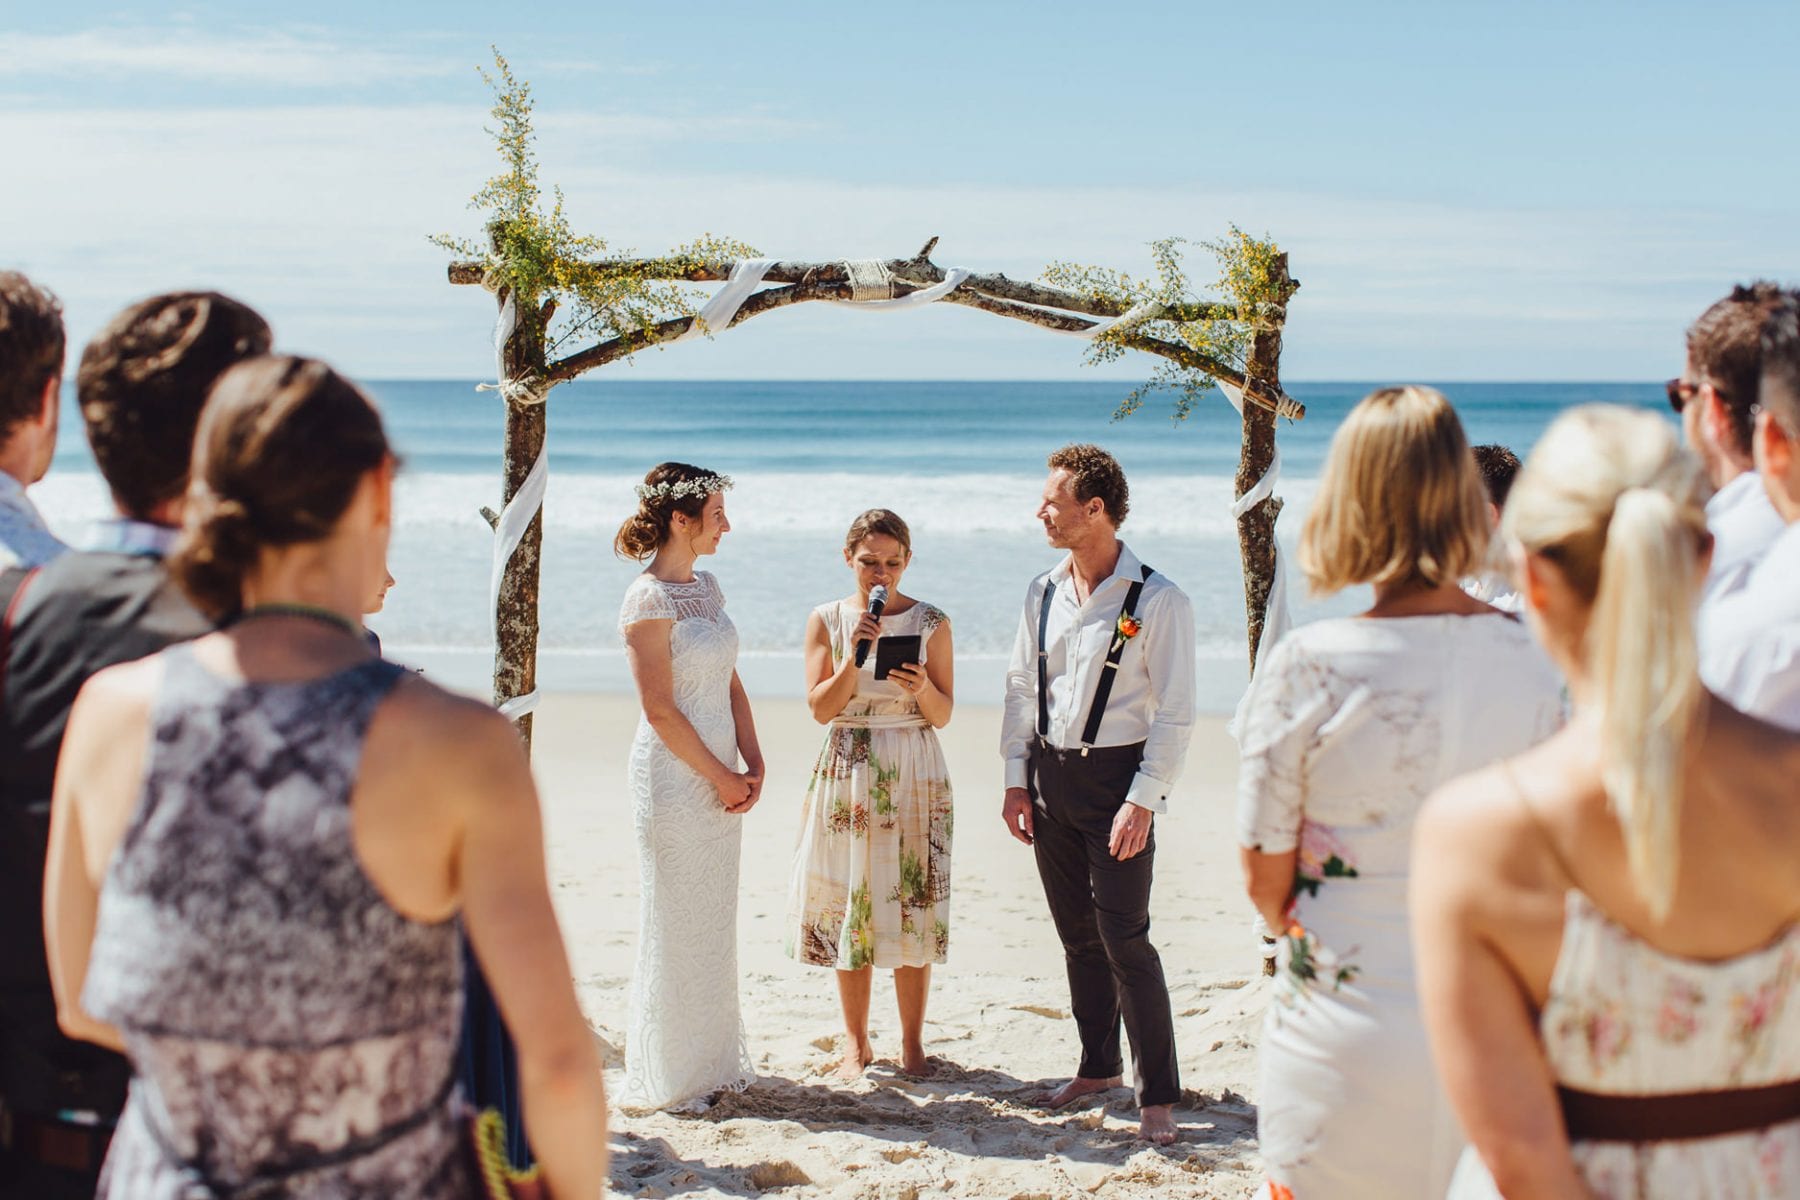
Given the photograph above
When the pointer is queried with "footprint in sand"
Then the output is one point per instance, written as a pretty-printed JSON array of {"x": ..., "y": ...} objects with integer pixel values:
[
  {"x": 767, "y": 1176},
  {"x": 1042, "y": 1010}
]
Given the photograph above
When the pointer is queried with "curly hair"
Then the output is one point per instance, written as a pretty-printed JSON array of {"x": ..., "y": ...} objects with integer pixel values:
[
  {"x": 31, "y": 348},
  {"x": 1725, "y": 347},
  {"x": 144, "y": 379},
  {"x": 1093, "y": 472},
  {"x": 1499, "y": 466}
]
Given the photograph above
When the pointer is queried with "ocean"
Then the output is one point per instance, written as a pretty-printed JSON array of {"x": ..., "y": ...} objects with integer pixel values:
[{"x": 961, "y": 462}]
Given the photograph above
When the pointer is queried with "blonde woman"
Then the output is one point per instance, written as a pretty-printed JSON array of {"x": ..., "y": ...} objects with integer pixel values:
[
  {"x": 1606, "y": 924},
  {"x": 871, "y": 882},
  {"x": 1351, "y": 724}
]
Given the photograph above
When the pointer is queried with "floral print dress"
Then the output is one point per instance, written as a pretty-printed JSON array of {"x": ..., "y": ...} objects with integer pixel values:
[
  {"x": 1624, "y": 1018},
  {"x": 871, "y": 881},
  {"x": 291, "y": 1034},
  {"x": 1349, "y": 726}
]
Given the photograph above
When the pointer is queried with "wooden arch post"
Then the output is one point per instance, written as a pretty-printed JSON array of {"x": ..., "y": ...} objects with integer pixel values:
[
  {"x": 1256, "y": 454},
  {"x": 527, "y": 423}
]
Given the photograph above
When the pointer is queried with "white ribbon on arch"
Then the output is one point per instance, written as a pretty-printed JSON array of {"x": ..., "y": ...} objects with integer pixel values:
[
  {"x": 510, "y": 529},
  {"x": 1137, "y": 314},
  {"x": 953, "y": 279}
]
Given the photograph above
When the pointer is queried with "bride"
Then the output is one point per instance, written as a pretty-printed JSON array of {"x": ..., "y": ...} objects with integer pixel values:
[{"x": 685, "y": 1042}]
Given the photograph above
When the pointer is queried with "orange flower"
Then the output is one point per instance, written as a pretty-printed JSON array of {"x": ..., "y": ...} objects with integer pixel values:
[{"x": 1128, "y": 627}]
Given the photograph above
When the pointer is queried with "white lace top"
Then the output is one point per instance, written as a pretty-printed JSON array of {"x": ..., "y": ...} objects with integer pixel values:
[{"x": 652, "y": 599}]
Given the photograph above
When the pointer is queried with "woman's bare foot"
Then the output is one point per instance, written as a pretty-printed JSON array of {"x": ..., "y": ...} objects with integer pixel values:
[
  {"x": 1075, "y": 1089},
  {"x": 1156, "y": 1124},
  {"x": 914, "y": 1063},
  {"x": 857, "y": 1057}
]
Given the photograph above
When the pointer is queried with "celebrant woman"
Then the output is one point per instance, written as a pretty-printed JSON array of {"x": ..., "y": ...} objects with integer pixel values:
[
  {"x": 684, "y": 1042},
  {"x": 871, "y": 882}
]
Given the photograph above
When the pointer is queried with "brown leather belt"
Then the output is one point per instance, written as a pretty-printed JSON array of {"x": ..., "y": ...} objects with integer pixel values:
[
  {"x": 58, "y": 1143},
  {"x": 1593, "y": 1117}
]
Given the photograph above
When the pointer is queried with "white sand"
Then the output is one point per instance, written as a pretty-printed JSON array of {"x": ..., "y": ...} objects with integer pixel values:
[{"x": 998, "y": 1020}]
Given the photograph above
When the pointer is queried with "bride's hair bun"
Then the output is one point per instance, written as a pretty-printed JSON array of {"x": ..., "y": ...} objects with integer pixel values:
[{"x": 668, "y": 488}]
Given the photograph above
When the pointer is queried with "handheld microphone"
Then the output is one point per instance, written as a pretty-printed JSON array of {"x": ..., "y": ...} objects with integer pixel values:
[{"x": 877, "y": 602}]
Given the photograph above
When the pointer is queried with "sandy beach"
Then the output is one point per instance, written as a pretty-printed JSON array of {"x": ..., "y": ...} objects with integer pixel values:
[{"x": 998, "y": 1026}]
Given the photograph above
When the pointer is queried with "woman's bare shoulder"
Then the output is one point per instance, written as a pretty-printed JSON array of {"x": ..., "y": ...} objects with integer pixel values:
[
  {"x": 448, "y": 729},
  {"x": 1499, "y": 826}
]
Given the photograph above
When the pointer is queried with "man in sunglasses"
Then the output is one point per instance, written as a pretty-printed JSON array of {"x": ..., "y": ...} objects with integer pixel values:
[
  {"x": 1716, "y": 397},
  {"x": 1752, "y": 639}
]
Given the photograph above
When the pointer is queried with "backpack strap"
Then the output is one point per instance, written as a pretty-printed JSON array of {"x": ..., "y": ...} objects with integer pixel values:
[
  {"x": 1109, "y": 672},
  {"x": 14, "y": 583}
]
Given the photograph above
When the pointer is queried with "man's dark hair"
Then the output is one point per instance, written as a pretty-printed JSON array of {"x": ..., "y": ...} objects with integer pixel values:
[
  {"x": 1094, "y": 472},
  {"x": 144, "y": 379},
  {"x": 1725, "y": 347},
  {"x": 31, "y": 348},
  {"x": 1781, "y": 361},
  {"x": 1498, "y": 467}
]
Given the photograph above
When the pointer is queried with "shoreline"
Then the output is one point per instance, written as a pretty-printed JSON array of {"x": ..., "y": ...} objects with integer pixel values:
[
  {"x": 772, "y": 677},
  {"x": 998, "y": 1020}
]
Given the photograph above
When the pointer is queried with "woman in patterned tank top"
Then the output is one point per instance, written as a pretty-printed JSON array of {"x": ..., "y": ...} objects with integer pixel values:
[{"x": 264, "y": 843}]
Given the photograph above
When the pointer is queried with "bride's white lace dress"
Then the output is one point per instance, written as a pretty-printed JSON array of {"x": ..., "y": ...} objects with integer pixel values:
[{"x": 685, "y": 1040}]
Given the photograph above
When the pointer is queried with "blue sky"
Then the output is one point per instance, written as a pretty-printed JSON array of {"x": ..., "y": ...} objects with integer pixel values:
[{"x": 1519, "y": 191}]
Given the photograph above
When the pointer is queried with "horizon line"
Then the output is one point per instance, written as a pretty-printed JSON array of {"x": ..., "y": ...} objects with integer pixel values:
[{"x": 1369, "y": 382}]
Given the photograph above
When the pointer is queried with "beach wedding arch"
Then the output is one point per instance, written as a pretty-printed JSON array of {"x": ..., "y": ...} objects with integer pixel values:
[{"x": 569, "y": 304}]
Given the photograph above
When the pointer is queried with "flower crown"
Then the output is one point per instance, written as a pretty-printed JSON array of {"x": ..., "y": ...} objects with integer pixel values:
[{"x": 680, "y": 489}]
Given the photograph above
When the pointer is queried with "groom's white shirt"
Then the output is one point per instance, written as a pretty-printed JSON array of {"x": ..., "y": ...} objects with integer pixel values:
[{"x": 1152, "y": 698}]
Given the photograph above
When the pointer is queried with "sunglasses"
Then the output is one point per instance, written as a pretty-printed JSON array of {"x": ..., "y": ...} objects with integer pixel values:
[{"x": 1680, "y": 392}]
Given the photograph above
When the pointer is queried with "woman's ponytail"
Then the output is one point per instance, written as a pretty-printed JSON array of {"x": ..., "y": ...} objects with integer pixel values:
[{"x": 1644, "y": 667}]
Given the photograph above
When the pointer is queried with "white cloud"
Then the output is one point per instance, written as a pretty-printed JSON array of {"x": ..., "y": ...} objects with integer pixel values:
[
  {"x": 265, "y": 58},
  {"x": 319, "y": 215}
]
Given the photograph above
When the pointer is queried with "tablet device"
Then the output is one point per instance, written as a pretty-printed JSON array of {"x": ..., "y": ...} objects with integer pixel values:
[{"x": 896, "y": 651}]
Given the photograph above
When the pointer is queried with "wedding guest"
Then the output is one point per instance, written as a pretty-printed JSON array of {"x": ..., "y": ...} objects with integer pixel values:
[
  {"x": 141, "y": 384},
  {"x": 375, "y": 604},
  {"x": 1492, "y": 585},
  {"x": 1499, "y": 466},
  {"x": 1751, "y": 640},
  {"x": 1099, "y": 710},
  {"x": 244, "y": 890},
  {"x": 1714, "y": 396},
  {"x": 871, "y": 878},
  {"x": 31, "y": 368},
  {"x": 1350, "y": 724},
  {"x": 685, "y": 1042},
  {"x": 1606, "y": 923}
]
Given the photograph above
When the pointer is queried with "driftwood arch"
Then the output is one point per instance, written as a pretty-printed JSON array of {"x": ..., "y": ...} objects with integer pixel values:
[
  {"x": 529, "y": 373},
  {"x": 533, "y": 263}
]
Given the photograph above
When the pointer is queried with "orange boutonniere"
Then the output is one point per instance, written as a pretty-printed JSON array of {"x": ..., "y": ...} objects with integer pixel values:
[{"x": 1126, "y": 628}]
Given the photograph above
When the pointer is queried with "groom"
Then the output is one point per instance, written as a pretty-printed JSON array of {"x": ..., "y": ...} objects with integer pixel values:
[{"x": 1099, "y": 709}]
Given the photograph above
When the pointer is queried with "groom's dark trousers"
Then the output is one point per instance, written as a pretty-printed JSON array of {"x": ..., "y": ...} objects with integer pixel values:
[{"x": 1101, "y": 907}]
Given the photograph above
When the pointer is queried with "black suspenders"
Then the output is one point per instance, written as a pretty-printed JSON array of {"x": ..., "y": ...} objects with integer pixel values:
[{"x": 1103, "y": 691}]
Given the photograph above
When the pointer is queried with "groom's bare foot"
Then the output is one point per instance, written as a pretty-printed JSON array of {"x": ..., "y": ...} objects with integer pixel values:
[
  {"x": 1075, "y": 1089},
  {"x": 857, "y": 1057},
  {"x": 1156, "y": 1124}
]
